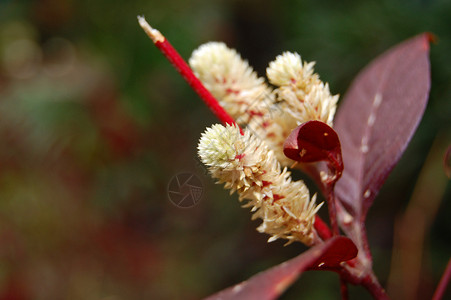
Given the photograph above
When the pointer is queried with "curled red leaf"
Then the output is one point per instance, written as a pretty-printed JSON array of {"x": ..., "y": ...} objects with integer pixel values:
[
  {"x": 315, "y": 141},
  {"x": 343, "y": 250}
]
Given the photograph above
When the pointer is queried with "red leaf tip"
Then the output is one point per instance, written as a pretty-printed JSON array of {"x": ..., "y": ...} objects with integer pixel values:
[{"x": 431, "y": 38}]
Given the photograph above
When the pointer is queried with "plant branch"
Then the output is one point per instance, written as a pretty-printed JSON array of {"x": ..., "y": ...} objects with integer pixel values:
[
  {"x": 322, "y": 229},
  {"x": 371, "y": 283},
  {"x": 344, "y": 289},
  {"x": 182, "y": 67},
  {"x": 332, "y": 208},
  {"x": 351, "y": 273},
  {"x": 441, "y": 288}
]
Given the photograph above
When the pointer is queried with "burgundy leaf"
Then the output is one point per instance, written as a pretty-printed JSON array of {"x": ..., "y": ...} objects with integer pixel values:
[
  {"x": 343, "y": 250},
  {"x": 290, "y": 146},
  {"x": 273, "y": 282},
  {"x": 314, "y": 141},
  {"x": 377, "y": 119}
]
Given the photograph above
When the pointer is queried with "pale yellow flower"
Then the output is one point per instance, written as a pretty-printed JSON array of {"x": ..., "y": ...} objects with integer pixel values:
[
  {"x": 246, "y": 165},
  {"x": 250, "y": 163},
  {"x": 300, "y": 91},
  {"x": 287, "y": 69}
]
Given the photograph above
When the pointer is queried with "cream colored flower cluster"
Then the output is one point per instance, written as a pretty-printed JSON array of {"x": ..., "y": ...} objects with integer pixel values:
[
  {"x": 250, "y": 163},
  {"x": 246, "y": 165},
  {"x": 301, "y": 92},
  {"x": 299, "y": 96}
]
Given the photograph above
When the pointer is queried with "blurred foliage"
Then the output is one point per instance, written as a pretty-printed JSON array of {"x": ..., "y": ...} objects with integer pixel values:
[{"x": 94, "y": 122}]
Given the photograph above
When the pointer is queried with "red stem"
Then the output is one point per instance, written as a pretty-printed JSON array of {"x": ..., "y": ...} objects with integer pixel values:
[
  {"x": 354, "y": 276},
  {"x": 182, "y": 67},
  {"x": 332, "y": 209},
  {"x": 441, "y": 288},
  {"x": 322, "y": 229},
  {"x": 335, "y": 165},
  {"x": 329, "y": 187},
  {"x": 371, "y": 283},
  {"x": 343, "y": 289}
]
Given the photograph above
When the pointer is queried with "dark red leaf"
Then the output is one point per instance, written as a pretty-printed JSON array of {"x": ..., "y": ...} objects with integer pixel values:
[
  {"x": 273, "y": 282},
  {"x": 314, "y": 141},
  {"x": 290, "y": 146},
  {"x": 377, "y": 119},
  {"x": 342, "y": 250}
]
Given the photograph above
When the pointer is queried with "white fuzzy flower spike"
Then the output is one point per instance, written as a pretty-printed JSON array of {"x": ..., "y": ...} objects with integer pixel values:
[
  {"x": 288, "y": 69},
  {"x": 317, "y": 104},
  {"x": 301, "y": 93},
  {"x": 245, "y": 165},
  {"x": 232, "y": 81}
]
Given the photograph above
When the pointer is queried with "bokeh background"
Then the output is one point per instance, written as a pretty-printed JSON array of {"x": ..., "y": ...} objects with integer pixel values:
[{"x": 94, "y": 123}]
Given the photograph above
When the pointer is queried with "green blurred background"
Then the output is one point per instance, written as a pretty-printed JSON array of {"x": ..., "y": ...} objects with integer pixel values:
[{"x": 94, "y": 123}]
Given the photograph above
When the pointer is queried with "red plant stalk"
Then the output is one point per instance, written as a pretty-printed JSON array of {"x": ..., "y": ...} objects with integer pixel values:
[
  {"x": 331, "y": 204},
  {"x": 371, "y": 283},
  {"x": 332, "y": 209},
  {"x": 350, "y": 274},
  {"x": 441, "y": 288},
  {"x": 182, "y": 67},
  {"x": 344, "y": 289},
  {"x": 322, "y": 229}
]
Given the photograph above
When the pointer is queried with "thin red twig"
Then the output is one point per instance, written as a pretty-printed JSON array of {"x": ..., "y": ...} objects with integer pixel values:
[
  {"x": 368, "y": 281},
  {"x": 441, "y": 288},
  {"x": 373, "y": 286},
  {"x": 332, "y": 210},
  {"x": 343, "y": 289},
  {"x": 182, "y": 67},
  {"x": 322, "y": 229}
]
